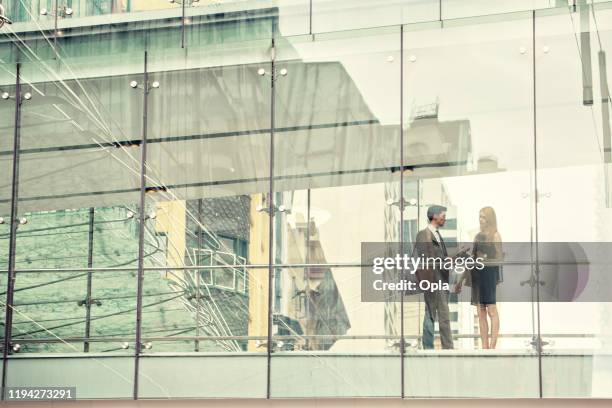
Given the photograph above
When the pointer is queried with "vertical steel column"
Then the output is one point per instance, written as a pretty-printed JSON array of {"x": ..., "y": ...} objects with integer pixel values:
[
  {"x": 141, "y": 226},
  {"x": 585, "y": 53},
  {"x": 309, "y": 18},
  {"x": 271, "y": 210},
  {"x": 183, "y": 24},
  {"x": 535, "y": 169},
  {"x": 8, "y": 322},
  {"x": 89, "y": 280},
  {"x": 55, "y": 26},
  {"x": 418, "y": 218},
  {"x": 401, "y": 207}
]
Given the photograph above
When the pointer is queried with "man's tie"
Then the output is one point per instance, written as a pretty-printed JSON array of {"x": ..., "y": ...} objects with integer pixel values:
[{"x": 442, "y": 243}]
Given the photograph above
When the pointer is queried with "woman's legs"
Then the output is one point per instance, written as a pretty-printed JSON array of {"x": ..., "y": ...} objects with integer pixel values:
[
  {"x": 494, "y": 316},
  {"x": 483, "y": 325}
]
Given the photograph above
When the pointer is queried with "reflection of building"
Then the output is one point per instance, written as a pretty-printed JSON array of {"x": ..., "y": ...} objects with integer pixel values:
[
  {"x": 310, "y": 295},
  {"x": 306, "y": 300},
  {"x": 244, "y": 107},
  {"x": 217, "y": 235}
]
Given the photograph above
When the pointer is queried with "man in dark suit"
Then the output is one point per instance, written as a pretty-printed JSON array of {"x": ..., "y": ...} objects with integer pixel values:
[{"x": 429, "y": 244}]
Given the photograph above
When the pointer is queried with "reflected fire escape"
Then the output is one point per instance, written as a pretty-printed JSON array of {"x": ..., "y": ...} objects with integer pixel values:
[
  {"x": 216, "y": 297},
  {"x": 309, "y": 310}
]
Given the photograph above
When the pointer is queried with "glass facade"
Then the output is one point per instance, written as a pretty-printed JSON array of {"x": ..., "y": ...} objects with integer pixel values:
[{"x": 185, "y": 188}]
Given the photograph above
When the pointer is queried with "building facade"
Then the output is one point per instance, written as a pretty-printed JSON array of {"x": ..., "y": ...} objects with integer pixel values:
[{"x": 185, "y": 188}]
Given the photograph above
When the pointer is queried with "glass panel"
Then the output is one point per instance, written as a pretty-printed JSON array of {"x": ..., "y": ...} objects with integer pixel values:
[
  {"x": 336, "y": 156},
  {"x": 573, "y": 152},
  {"x": 468, "y": 8},
  {"x": 87, "y": 158},
  {"x": 244, "y": 376},
  {"x": 176, "y": 299},
  {"x": 335, "y": 15},
  {"x": 52, "y": 315},
  {"x": 76, "y": 9},
  {"x": 32, "y": 31},
  {"x": 208, "y": 153},
  {"x": 211, "y": 24},
  {"x": 233, "y": 17},
  {"x": 7, "y": 133},
  {"x": 294, "y": 17},
  {"x": 336, "y": 143},
  {"x": 115, "y": 372},
  {"x": 229, "y": 336},
  {"x": 207, "y": 180},
  {"x": 120, "y": 27},
  {"x": 462, "y": 84},
  {"x": 326, "y": 341},
  {"x": 37, "y": 11},
  {"x": 78, "y": 202},
  {"x": 7, "y": 119}
]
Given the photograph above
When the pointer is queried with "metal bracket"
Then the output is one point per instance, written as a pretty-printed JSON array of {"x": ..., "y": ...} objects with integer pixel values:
[
  {"x": 532, "y": 281},
  {"x": 281, "y": 208},
  {"x": 89, "y": 302},
  {"x": 402, "y": 202},
  {"x": 538, "y": 344},
  {"x": 3, "y": 18}
]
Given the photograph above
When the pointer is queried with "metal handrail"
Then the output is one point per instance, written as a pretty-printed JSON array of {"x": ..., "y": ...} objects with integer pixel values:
[
  {"x": 284, "y": 337},
  {"x": 264, "y": 266}
]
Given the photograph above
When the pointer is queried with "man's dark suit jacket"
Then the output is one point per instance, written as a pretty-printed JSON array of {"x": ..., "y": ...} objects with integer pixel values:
[{"x": 427, "y": 246}]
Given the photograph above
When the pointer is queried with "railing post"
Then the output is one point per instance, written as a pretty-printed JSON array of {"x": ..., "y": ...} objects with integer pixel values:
[{"x": 89, "y": 280}]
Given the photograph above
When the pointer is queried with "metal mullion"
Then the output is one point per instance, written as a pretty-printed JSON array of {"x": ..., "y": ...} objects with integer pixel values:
[
  {"x": 141, "y": 227},
  {"x": 13, "y": 230},
  {"x": 271, "y": 210},
  {"x": 310, "y": 18},
  {"x": 55, "y": 27},
  {"x": 89, "y": 279},
  {"x": 183, "y": 23},
  {"x": 536, "y": 199},
  {"x": 401, "y": 208}
]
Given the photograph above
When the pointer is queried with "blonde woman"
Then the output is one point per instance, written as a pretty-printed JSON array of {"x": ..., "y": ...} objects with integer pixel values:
[{"x": 488, "y": 246}]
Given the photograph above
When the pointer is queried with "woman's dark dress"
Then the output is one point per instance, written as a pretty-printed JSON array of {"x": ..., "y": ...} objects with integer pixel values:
[{"x": 484, "y": 282}]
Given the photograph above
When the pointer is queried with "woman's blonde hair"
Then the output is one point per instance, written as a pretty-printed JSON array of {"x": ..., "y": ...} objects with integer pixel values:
[{"x": 489, "y": 215}]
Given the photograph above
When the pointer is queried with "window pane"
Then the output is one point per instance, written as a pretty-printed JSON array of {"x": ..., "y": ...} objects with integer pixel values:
[
  {"x": 452, "y": 9},
  {"x": 573, "y": 146},
  {"x": 207, "y": 179},
  {"x": 462, "y": 85},
  {"x": 336, "y": 158},
  {"x": 73, "y": 13},
  {"x": 7, "y": 150},
  {"x": 336, "y": 15},
  {"x": 336, "y": 146},
  {"x": 76, "y": 252},
  {"x": 38, "y": 11},
  {"x": 326, "y": 341}
]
